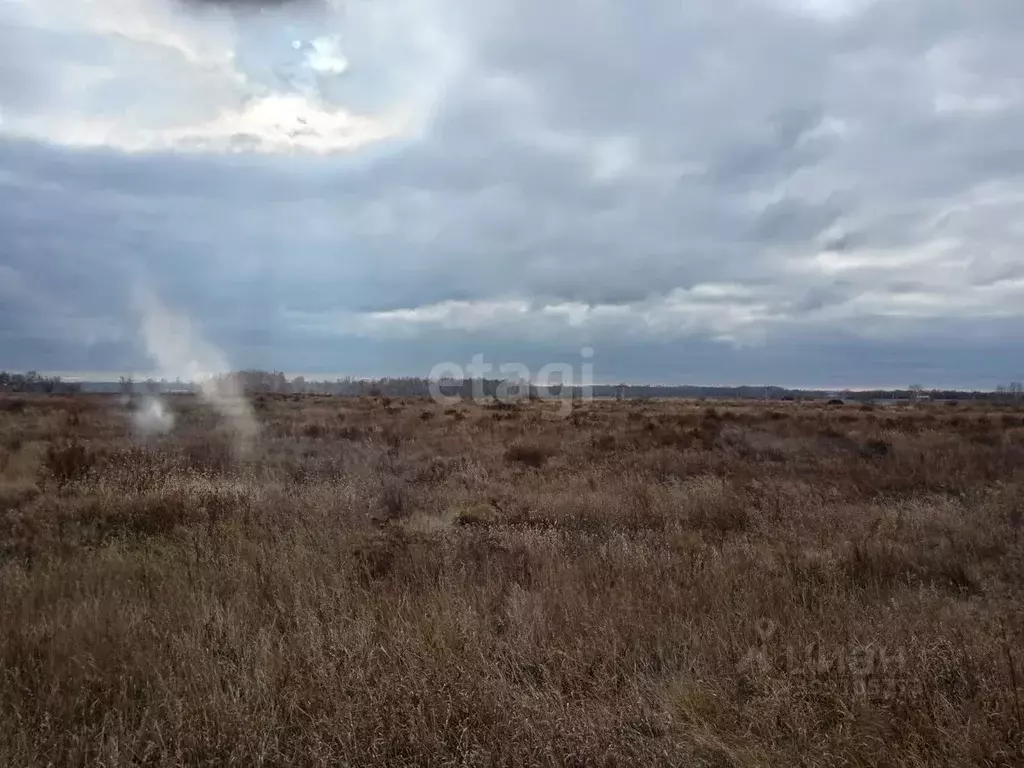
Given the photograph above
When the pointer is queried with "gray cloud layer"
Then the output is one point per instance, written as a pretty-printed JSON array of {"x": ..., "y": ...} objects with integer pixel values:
[{"x": 739, "y": 190}]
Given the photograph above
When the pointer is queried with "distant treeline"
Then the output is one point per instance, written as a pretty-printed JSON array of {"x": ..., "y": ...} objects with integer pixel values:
[
  {"x": 264, "y": 382},
  {"x": 33, "y": 382}
]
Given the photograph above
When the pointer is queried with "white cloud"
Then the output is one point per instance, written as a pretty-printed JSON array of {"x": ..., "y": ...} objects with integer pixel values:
[
  {"x": 325, "y": 55},
  {"x": 827, "y": 10},
  {"x": 730, "y": 313},
  {"x": 271, "y": 124},
  {"x": 208, "y": 41},
  {"x": 146, "y": 75}
]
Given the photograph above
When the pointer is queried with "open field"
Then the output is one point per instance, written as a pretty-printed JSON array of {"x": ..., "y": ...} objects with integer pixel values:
[{"x": 399, "y": 582}]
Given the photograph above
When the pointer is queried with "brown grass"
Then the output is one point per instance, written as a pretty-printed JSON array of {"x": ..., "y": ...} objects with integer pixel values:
[{"x": 396, "y": 583}]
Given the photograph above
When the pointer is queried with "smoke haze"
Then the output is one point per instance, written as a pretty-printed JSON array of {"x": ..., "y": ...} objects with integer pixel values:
[
  {"x": 178, "y": 349},
  {"x": 152, "y": 417}
]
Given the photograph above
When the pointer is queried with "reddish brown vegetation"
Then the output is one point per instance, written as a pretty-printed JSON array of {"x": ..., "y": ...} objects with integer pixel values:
[{"x": 389, "y": 582}]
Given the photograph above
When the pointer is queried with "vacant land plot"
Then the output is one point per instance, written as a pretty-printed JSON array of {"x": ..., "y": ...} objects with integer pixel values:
[{"x": 400, "y": 582}]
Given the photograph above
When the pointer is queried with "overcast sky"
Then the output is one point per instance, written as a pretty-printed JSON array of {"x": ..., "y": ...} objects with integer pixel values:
[{"x": 795, "y": 192}]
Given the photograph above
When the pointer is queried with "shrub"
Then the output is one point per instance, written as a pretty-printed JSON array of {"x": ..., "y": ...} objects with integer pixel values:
[
  {"x": 12, "y": 405},
  {"x": 393, "y": 501},
  {"x": 208, "y": 454},
  {"x": 314, "y": 430},
  {"x": 503, "y": 405},
  {"x": 876, "y": 449},
  {"x": 529, "y": 454},
  {"x": 69, "y": 462}
]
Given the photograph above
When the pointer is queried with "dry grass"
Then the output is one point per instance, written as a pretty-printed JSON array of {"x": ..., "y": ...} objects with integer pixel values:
[{"x": 395, "y": 583}]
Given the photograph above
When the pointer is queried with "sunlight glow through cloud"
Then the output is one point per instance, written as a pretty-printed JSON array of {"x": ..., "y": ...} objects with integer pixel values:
[{"x": 213, "y": 82}]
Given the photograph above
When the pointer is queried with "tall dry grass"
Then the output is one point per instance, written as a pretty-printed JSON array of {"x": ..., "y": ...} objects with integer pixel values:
[{"x": 396, "y": 583}]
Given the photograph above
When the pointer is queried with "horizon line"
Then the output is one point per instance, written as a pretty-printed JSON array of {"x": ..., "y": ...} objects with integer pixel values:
[{"x": 113, "y": 377}]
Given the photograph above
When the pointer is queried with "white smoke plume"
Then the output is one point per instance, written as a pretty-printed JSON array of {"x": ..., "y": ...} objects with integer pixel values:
[
  {"x": 178, "y": 348},
  {"x": 152, "y": 417}
]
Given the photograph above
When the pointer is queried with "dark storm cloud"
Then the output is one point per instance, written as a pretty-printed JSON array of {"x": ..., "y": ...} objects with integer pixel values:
[{"x": 791, "y": 189}]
